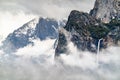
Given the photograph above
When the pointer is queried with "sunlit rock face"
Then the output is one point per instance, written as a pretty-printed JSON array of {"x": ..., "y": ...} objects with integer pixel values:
[
  {"x": 39, "y": 28},
  {"x": 105, "y": 10}
]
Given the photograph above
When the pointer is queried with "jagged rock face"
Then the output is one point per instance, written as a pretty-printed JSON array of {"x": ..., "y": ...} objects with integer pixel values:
[
  {"x": 78, "y": 20},
  {"x": 62, "y": 42},
  {"x": 47, "y": 28},
  {"x": 20, "y": 37},
  {"x": 77, "y": 31},
  {"x": 41, "y": 28},
  {"x": 114, "y": 34},
  {"x": 85, "y": 31},
  {"x": 105, "y": 10}
]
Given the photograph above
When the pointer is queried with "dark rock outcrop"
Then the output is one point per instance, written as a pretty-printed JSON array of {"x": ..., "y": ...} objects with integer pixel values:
[
  {"x": 114, "y": 33},
  {"x": 77, "y": 30},
  {"x": 84, "y": 31}
]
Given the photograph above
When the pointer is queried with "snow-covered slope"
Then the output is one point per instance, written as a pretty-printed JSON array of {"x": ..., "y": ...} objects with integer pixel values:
[{"x": 39, "y": 28}]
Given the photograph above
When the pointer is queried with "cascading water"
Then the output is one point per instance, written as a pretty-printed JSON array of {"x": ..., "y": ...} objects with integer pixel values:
[{"x": 98, "y": 50}]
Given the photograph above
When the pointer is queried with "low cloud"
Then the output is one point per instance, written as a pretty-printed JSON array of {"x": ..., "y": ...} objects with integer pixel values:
[{"x": 77, "y": 66}]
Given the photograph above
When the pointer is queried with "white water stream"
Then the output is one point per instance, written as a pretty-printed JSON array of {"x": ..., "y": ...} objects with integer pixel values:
[{"x": 98, "y": 51}]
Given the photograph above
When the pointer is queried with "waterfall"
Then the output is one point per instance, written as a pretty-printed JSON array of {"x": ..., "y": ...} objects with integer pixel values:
[{"x": 98, "y": 51}]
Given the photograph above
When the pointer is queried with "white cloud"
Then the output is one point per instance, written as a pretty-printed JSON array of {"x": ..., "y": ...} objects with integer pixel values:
[
  {"x": 39, "y": 48},
  {"x": 78, "y": 66},
  {"x": 49, "y": 8}
]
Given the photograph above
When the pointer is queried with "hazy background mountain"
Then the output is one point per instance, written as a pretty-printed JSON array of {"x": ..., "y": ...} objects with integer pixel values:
[
  {"x": 38, "y": 28},
  {"x": 15, "y": 13}
]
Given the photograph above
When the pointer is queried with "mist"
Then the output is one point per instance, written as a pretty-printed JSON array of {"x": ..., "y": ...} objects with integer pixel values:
[{"x": 37, "y": 63}]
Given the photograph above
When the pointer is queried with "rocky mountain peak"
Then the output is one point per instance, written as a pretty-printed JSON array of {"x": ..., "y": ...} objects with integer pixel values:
[
  {"x": 38, "y": 28},
  {"x": 76, "y": 17},
  {"x": 77, "y": 31},
  {"x": 105, "y": 10},
  {"x": 85, "y": 31}
]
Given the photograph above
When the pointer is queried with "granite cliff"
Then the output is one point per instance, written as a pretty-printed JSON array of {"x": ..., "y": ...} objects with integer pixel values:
[
  {"x": 85, "y": 30},
  {"x": 105, "y": 10}
]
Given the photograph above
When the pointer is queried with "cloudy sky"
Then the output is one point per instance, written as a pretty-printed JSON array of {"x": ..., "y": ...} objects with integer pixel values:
[
  {"x": 50, "y": 8},
  {"x": 14, "y": 13}
]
